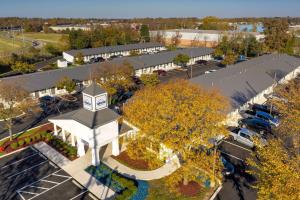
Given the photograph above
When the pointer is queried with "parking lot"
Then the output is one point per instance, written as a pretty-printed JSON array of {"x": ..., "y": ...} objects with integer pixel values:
[
  {"x": 192, "y": 71},
  {"x": 29, "y": 175}
]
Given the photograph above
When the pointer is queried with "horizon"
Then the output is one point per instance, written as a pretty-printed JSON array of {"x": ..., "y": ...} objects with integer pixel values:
[{"x": 154, "y": 9}]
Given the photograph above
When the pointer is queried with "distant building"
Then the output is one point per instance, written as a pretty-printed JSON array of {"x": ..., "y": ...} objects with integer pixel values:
[
  {"x": 70, "y": 27},
  {"x": 194, "y": 37}
]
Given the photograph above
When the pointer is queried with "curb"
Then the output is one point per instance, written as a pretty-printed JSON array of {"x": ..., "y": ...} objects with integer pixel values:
[
  {"x": 216, "y": 193},
  {"x": 16, "y": 151}
]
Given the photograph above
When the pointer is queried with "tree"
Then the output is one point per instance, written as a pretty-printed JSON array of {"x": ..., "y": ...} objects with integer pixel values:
[
  {"x": 23, "y": 67},
  {"x": 287, "y": 101},
  {"x": 52, "y": 50},
  {"x": 67, "y": 84},
  {"x": 276, "y": 34},
  {"x": 277, "y": 171},
  {"x": 183, "y": 117},
  {"x": 14, "y": 101},
  {"x": 115, "y": 77},
  {"x": 144, "y": 32},
  {"x": 181, "y": 59},
  {"x": 134, "y": 53},
  {"x": 79, "y": 59},
  {"x": 230, "y": 58},
  {"x": 150, "y": 79},
  {"x": 175, "y": 40}
]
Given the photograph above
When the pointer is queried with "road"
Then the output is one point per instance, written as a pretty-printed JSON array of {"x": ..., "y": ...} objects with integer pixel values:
[{"x": 239, "y": 185}]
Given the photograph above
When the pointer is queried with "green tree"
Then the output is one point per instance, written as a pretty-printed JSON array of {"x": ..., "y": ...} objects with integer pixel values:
[
  {"x": 79, "y": 59},
  {"x": 67, "y": 84},
  {"x": 23, "y": 67},
  {"x": 52, "y": 50},
  {"x": 230, "y": 58},
  {"x": 150, "y": 79},
  {"x": 181, "y": 59},
  {"x": 183, "y": 117},
  {"x": 145, "y": 34}
]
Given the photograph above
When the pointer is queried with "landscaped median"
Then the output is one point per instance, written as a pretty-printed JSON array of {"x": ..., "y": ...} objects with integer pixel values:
[{"x": 35, "y": 135}]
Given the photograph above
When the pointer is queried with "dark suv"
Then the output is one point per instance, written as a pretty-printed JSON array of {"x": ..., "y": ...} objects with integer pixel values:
[{"x": 256, "y": 124}]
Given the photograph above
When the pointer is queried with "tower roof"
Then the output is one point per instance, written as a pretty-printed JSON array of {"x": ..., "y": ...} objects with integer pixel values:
[{"x": 94, "y": 89}]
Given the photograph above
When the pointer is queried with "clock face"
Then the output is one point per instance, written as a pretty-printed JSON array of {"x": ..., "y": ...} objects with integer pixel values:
[
  {"x": 87, "y": 102},
  {"x": 101, "y": 102}
]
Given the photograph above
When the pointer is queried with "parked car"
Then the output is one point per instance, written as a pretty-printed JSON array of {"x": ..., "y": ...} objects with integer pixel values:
[
  {"x": 125, "y": 96},
  {"x": 210, "y": 71},
  {"x": 245, "y": 136},
  {"x": 202, "y": 62},
  {"x": 98, "y": 59},
  {"x": 228, "y": 167},
  {"x": 160, "y": 72},
  {"x": 264, "y": 108},
  {"x": 258, "y": 125},
  {"x": 261, "y": 115},
  {"x": 115, "y": 56}
]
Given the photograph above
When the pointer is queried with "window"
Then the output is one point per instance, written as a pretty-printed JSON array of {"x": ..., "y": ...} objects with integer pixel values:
[{"x": 245, "y": 136}]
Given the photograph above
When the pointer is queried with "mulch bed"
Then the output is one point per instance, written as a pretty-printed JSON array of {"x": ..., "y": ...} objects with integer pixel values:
[
  {"x": 136, "y": 164},
  {"x": 69, "y": 98},
  {"x": 190, "y": 190}
]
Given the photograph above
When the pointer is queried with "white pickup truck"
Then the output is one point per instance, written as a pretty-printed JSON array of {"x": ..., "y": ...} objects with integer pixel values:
[{"x": 245, "y": 136}]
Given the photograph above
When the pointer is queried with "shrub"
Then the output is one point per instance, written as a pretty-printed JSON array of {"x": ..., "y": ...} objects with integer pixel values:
[
  {"x": 21, "y": 142},
  {"x": 14, "y": 145},
  {"x": 38, "y": 136},
  {"x": 28, "y": 140}
]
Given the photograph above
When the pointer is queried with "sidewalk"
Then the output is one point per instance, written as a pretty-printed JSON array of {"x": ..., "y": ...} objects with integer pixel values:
[{"x": 76, "y": 169}]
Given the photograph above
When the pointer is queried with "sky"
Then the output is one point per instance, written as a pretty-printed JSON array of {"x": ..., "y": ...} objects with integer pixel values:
[{"x": 148, "y": 8}]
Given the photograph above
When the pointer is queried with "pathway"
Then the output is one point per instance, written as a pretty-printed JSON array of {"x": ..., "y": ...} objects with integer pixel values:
[
  {"x": 76, "y": 169},
  {"x": 159, "y": 173}
]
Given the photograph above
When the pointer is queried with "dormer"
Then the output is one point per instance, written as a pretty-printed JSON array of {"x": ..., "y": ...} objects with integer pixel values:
[{"x": 94, "y": 98}]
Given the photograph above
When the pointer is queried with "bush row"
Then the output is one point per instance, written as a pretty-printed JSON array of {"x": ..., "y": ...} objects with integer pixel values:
[{"x": 19, "y": 143}]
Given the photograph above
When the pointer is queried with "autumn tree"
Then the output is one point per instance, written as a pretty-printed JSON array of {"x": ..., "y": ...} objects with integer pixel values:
[
  {"x": 175, "y": 40},
  {"x": 277, "y": 171},
  {"x": 230, "y": 58},
  {"x": 150, "y": 79},
  {"x": 182, "y": 117},
  {"x": 23, "y": 67},
  {"x": 181, "y": 59},
  {"x": 144, "y": 32},
  {"x": 115, "y": 77},
  {"x": 66, "y": 83},
  {"x": 79, "y": 59},
  {"x": 287, "y": 101},
  {"x": 14, "y": 100}
]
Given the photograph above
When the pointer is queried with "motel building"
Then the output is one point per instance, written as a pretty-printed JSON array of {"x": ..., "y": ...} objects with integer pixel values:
[
  {"x": 109, "y": 51},
  {"x": 93, "y": 126}
]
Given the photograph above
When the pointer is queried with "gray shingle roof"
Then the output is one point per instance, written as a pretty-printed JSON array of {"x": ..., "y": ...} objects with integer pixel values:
[
  {"x": 243, "y": 81},
  {"x": 94, "y": 89},
  {"x": 43, "y": 80},
  {"x": 89, "y": 118},
  {"x": 116, "y": 48}
]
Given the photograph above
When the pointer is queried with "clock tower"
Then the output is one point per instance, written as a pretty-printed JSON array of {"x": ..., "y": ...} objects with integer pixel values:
[{"x": 94, "y": 98}]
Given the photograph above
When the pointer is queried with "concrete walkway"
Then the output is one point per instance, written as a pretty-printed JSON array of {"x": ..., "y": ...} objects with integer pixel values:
[
  {"x": 159, "y": 173},
  {"x": 76, "y": 169}
]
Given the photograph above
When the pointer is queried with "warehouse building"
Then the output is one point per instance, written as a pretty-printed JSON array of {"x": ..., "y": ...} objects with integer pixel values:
[
  {"x": 109, "y": 51},
  {"x": 194, "y": 37},
  {"x": 41, "y": 84},
  {"x": 251, "y": 81}
]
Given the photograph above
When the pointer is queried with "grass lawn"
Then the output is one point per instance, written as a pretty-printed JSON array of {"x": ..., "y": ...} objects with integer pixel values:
[
  {"x": 50, "y": 38},
  {"x": 157, "y": 190},
  {"x": 7, "y": 45}
]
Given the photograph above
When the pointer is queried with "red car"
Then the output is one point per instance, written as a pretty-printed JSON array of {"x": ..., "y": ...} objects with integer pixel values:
[{"x": 160, "y": 72}]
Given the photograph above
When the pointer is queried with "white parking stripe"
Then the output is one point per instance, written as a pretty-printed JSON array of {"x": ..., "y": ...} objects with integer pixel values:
[
  {"x": 50, "y": 181},
  {"x": 237, "y": 146},
  {"x": 27, "y": 169},
  {"x": 19, "y": 160},
  {"x": 61, "y": 175},
  {"x": 29, "y": 192},
  {"x": 79, "y": 194},
  {"x": 37, "y": 187},
  {"x": 21, "y": 195},
  {"x": 232, "y": 156}
]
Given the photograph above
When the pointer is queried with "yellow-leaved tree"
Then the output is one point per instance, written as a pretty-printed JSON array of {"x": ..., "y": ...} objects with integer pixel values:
[
  {"x": 183, "y": 117},
  {"x": 277, "y": 171}
]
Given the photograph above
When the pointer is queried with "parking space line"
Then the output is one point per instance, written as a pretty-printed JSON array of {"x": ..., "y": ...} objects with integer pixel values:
[
  {"x": 61, "y": 175},
  {"x": 29, "y": 192},
  {"x": 21, "y": 195},
  {"x": 50, "y": 181},
  {"x": 232, "y": 156},
  {"x": 19, "y": 160},
  {"x": 27, "y": 169},
  {"x": 37, "y": 187},
  {"x": 237, "y": 146},
  {"x": 50, "y": 188},
  {"x": 79, "y": 194}
]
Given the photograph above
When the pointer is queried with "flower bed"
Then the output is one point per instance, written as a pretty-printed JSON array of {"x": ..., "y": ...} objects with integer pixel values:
[
  {"x": 33, "y": 136},
  {"x": 124, "y": 187}
]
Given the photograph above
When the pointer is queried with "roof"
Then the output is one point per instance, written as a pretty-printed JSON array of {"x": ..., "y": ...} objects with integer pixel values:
[
  {"x": 111, "y": 49},
  {"x": 47, "y": 79},
  {"x": 197, "y": 31},
  {"x": 243, "y": 81},
  {"x": 93, "y": 89},
  {"x": 89, "y": 118}
]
